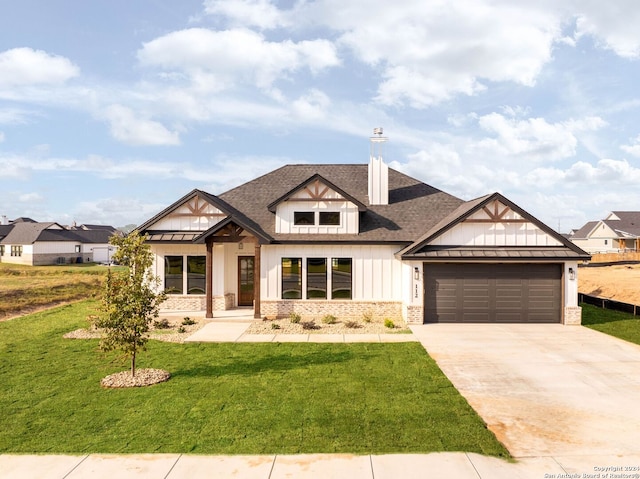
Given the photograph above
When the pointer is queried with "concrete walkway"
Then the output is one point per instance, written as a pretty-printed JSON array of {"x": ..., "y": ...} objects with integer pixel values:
[{"x": 450, "y": 465}]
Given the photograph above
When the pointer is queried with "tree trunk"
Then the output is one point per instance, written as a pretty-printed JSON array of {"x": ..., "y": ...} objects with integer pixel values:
[{"x": 133, "y": 364}]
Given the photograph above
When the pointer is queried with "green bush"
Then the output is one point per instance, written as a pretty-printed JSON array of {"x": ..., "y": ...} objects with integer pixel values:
[
  {"x": 181, "y": 329},
  {"x": 187, "y": 321},
  {"x": 329, "y": 319},
  {"x": 389, "y": 323},
  {"x": 275, "y": 326},
  {"x": 309, "y": 325},
  {"x": 294, "y": 318},
  {"x": 161, "y": 324}
]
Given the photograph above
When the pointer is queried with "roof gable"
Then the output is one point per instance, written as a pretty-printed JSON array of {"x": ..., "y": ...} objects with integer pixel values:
[
  {"x": 488, "y": 222},
  {"x": 316, "y": 188},
  {"x": 196, "y": 211}
]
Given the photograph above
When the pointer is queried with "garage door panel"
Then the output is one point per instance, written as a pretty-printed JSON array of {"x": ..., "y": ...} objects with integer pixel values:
[{"x": 492, "y": 293}]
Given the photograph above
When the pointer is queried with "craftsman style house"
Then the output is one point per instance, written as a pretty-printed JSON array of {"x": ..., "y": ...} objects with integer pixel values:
[{"x": 348, "y": 239}]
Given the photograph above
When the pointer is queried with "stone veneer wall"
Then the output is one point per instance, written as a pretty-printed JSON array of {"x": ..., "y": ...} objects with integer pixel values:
[
  {"x": 340, "y": 309},
  {"x": 197, "y": 302},
  {"x": 573, "y": 315},
  {"x": 415, "y": 314}
]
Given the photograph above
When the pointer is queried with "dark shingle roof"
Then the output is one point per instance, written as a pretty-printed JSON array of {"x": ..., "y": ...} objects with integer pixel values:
[
  {"x": 23, "y": 233},
  {"x": 628, "y": 223},
  {"x": 583, "y": 232},
  {"x": 413, "y": 205}
]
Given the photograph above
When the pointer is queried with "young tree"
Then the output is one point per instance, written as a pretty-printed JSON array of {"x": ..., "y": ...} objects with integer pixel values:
[{"x": 130, "y": 300}]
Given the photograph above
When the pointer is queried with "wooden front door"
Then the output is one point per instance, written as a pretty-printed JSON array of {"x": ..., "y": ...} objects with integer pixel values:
[{"x": 245, "y": 280}]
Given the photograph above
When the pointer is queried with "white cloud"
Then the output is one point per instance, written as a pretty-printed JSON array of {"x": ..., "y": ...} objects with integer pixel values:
[
  {"x": 312, "y": 106},
  {"x": 25, "y": 66},
  {"x": 1, "y": 136},
  {"x": 614, "y": 24},
  {"x": 633, "y": 148},
  {"x": 255, "y": 13},
  {"x": 584, "y": 174},
  {"x": 30, "y": 198},
  {"x": 534, "y": 138},
  {"x": 218, "y": 60},
  {"x": 132, "y": 130}
]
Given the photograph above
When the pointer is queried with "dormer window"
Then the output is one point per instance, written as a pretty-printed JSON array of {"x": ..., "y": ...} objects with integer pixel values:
[
  {"x": 309, "y": 218},
  {"x": 330, "y": 218},
  {"x": 304, "y": 218}
]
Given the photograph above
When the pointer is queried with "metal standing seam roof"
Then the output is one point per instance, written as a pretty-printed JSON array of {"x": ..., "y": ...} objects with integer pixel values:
[{"x": 502, "y": 253}]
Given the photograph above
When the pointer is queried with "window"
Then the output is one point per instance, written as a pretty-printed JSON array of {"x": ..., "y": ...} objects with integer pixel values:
[
  {"x": 196, "y": 274},
  {"x": 173, "y": 274},
  {"x": 316, "y": 278},
  {"x": 16, "y": 250},
  {"x": 1, "y": 250},
  {"x": 77, "y": 248},
  {"x": 304, "y": 218},
  {"x": 341, "y": 278},
  {"x": 606, "y": 241},
  {"x": 330, "y": 218},
  {"x": 291, "y": 278}
]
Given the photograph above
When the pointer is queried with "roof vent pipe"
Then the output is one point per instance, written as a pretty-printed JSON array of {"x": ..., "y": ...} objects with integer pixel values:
[{"x": 378, "y": 171}]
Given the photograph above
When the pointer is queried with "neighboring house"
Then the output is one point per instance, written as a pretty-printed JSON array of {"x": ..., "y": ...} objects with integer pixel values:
[
  {"x": 25, "y": 241},
  {"x": 348, "y": 239},
  {"x": 618, "y": 232}
]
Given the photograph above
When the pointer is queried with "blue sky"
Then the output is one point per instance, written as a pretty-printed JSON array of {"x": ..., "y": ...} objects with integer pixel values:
[{"x": 110, "y": 111}]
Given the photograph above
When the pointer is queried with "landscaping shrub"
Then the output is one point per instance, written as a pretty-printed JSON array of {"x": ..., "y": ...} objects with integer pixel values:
[
  {"x": 352, "y": 324},
  {"x": 367, "y": 317},
  {"x": 294, "y": 318},
  {"x": 187, "y": 321},
  {"x": 329, "y": 319},
  {"x": 161, "y": 324},
  {"x": 389, "y": 323}
]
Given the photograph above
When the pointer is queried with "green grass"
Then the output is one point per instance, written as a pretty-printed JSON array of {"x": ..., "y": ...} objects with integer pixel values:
[
  {"x": 24, "y": 287},
  {"x": 615, "y": 323},
  {"x": 222, "y": 398}
]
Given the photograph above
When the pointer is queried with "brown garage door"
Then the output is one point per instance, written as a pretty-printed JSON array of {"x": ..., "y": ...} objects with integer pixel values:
[{"x": 492, "y": 293}]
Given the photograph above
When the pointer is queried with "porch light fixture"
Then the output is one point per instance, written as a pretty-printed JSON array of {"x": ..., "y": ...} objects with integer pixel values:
[
  {"x": 240, "y": 245},
  {"x": 416, "y": 273},
  {"x": 572, "y": 274}
]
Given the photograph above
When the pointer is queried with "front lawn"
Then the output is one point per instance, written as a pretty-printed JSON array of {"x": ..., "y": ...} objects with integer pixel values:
[
  {"x": 615, "y": 323},
  {"x": 227, "y": 398}
]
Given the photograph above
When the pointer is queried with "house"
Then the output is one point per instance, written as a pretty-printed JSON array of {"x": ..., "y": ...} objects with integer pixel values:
[
  {"x": 349, "y": 239},
  {"x": 618, "y": 232},
  {"x": 25, "y": 241}
]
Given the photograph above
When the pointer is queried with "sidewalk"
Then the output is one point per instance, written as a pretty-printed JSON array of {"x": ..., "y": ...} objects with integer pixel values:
[{"x": 450, "y": 465}]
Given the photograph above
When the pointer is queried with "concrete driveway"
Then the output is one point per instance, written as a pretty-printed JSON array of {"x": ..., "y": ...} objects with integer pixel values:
[{"x": 544, "y": 390}]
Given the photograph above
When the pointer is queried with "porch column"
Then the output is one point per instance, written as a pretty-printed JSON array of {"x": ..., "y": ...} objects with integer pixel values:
[
  {"x": 209, "y": 279},
  {"x": 256, "y": 282}
]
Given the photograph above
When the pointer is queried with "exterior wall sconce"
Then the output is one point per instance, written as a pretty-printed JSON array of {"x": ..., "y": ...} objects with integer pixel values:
[
  {"x": 240, "y": 245},
  {"x": 416, "y": 273},
  {"x": 572, "y": 274}
]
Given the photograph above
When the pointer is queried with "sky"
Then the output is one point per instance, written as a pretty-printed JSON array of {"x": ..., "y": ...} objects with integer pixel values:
[{"x": 112, "y": 110}]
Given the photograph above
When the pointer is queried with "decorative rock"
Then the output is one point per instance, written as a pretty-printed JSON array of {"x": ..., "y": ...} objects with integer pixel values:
[{"x": 143, "y": 377}]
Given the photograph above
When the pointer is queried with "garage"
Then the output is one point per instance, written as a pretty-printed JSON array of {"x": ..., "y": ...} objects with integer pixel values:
[{"x": 492, "y": 293}]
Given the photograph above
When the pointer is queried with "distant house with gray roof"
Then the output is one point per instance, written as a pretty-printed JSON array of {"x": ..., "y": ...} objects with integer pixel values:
[
  {"x": 618, "y": 232},
  {"x": 356, "y": 239},
  {"x": 25, "y": 241}
]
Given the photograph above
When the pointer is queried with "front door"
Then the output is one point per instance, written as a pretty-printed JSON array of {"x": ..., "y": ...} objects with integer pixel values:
[{"x": 245, "y": 281}]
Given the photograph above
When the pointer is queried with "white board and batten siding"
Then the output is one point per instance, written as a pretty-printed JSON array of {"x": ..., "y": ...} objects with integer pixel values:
[
  {"x": 502, "y": 233},
  {"x": 331, "y": 201},
  {"x": 376, "y": 272},
  {"x": 184, "y": 219}
]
